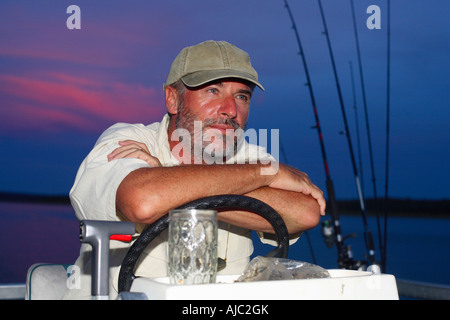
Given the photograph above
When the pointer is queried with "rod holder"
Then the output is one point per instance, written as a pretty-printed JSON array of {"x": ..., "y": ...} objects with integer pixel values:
[{"x": 98, "y": 234}]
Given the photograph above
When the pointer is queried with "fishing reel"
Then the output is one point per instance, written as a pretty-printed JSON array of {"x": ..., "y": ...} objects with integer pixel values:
[{"x": 345, "y": 256}]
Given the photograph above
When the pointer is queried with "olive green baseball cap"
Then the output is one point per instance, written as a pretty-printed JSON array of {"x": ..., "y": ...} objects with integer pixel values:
[{"x": 209, "y": 61}]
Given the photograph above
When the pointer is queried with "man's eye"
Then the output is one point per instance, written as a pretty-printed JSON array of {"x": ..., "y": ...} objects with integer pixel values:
[
  {"x": 243, "y": 97},
  {"x": 212, "y": 90}
]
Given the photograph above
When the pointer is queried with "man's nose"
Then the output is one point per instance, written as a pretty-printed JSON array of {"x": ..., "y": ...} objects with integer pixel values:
[{"x": 228, "y": 107}]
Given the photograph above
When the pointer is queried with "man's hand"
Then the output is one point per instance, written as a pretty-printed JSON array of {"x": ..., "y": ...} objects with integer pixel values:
[
  {"x": 134, "y": 149},
  {"x": 291, "y": 179}
]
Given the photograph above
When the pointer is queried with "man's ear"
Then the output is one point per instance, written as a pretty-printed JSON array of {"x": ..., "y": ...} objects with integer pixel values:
[{"x": 172, "y": 99}]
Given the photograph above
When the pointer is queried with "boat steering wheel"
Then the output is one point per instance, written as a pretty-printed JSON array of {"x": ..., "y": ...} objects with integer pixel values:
[{"x": 126, "y": 275}]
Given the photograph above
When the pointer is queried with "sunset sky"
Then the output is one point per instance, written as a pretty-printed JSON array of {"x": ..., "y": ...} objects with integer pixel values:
[{"x": 60, "y": 88}]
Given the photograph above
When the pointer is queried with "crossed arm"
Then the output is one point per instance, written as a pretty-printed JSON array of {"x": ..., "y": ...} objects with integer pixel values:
[{"x": 146, "y": 194}]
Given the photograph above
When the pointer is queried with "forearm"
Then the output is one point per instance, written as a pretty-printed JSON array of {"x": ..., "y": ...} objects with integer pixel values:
[
  {"x": 142, "y": 200},
  {"x": 300, "y": 212},
  {"x": 147, "y": 194}
]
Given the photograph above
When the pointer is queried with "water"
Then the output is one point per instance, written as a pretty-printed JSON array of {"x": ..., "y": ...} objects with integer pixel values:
[
  {"x": 418, "y": 248},
  {"x": 31, "y": 233}
]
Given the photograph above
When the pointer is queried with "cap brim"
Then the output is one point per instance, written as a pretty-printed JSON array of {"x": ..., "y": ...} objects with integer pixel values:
[{"x": 200, "y": 78}]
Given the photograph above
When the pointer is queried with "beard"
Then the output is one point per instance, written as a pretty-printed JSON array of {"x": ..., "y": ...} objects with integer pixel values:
[{"x": 215, "y": 146}]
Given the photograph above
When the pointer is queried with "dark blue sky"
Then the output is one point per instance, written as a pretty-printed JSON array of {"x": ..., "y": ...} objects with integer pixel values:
[{"x": 60, "y": 88}]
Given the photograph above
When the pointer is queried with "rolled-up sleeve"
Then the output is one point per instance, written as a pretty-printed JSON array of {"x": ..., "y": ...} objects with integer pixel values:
[{"x": 93, "y": 195}]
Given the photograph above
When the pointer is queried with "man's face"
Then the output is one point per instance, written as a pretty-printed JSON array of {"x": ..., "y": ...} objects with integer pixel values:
[{"x": 221, "y": 107}]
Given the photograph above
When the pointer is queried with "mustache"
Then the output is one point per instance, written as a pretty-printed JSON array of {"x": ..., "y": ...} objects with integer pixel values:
[{"x": 226, "y": 121}]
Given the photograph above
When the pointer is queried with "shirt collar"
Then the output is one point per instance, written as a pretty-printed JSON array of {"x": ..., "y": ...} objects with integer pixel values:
[{"x": 163, "y": 141}]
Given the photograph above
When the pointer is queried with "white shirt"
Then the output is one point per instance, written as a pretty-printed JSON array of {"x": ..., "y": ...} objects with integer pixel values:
[{"x": 93, "y": 196}]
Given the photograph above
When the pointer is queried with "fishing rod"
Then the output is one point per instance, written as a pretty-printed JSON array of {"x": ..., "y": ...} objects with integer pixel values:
[
  {"x": 344, "y": 255},
  {"x": 388, "y": 95},
  {"x": 367, "y": 128},
  {"x": 368, "y": 234},
  {"x": 358, "y": 140}
]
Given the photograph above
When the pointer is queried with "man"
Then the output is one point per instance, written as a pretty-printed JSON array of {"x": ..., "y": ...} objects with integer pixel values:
[{"x": 138, "y": 173}]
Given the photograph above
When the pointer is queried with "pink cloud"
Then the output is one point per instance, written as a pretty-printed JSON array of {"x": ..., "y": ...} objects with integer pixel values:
[
  {"x": 55, "y": 77},
  {"x": 85, "y": 102}
]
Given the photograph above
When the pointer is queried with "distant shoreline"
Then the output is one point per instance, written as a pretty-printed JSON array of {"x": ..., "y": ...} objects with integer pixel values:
[
  {"x": 34, "y": 198},
  {"x": 422, "y": 208},
  {"x": 396, "y": 207}
]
